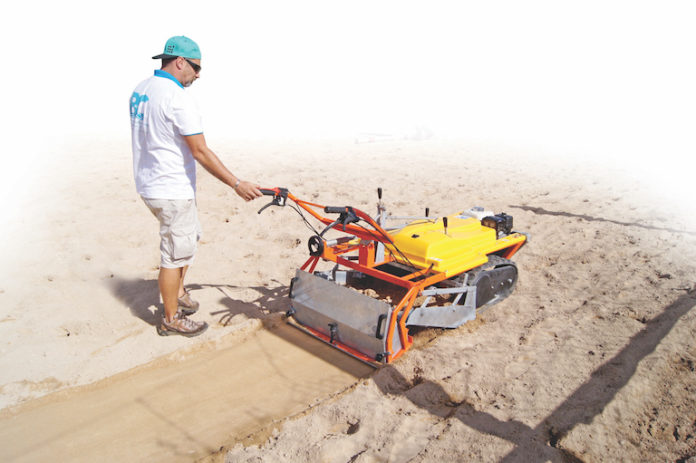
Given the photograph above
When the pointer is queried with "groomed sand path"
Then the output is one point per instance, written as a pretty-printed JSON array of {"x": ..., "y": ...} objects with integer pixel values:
[{"x": 181, "y": 410}]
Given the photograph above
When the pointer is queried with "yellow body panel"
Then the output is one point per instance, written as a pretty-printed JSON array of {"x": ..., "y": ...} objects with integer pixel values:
[{"x": 464, "y": 246}]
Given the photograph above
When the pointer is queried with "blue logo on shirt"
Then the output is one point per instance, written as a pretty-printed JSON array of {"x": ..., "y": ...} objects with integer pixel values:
[{"x": 135, "y": 101}]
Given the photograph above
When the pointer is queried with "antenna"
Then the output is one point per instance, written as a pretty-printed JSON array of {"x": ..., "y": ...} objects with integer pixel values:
[{"x": 381, "y": 221}]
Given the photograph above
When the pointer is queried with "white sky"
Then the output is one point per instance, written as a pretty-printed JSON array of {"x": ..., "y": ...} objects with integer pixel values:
[{"x": 592, "y": 78}]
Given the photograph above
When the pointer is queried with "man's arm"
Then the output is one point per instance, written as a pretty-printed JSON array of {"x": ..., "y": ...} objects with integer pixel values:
[{"x": 212, "y": 164}]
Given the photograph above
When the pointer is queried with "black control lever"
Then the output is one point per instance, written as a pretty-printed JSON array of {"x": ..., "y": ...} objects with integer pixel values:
[
  {"x": 347, "y": 215},
  {"x": 280, "y": 197}
]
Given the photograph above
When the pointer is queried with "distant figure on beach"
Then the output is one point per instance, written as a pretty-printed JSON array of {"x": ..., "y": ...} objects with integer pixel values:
[{"x": 167, "y": 138}]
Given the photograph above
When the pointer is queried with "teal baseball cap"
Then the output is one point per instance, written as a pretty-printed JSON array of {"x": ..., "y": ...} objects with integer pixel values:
[{"x": 180, "y": 46}]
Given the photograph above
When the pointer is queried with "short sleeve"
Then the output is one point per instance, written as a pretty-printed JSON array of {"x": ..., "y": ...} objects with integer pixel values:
[{"x": 185, "y": 115}]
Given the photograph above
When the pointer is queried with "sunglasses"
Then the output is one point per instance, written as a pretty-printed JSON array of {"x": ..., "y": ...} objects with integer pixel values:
[{"x": 196, "y": 67}]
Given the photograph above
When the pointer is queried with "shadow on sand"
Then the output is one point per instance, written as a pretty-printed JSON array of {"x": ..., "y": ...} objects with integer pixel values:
[
  {"x": 271, "y": 300},
  {"x": 140, "y": 296},
  {"x": 268, "y": 307},
  {"x": 589, "y": 218},
  {"x": 542, "y": 443}
]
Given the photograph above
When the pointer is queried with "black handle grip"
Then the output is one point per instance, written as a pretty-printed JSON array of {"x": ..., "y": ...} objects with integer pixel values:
[
  {"x": 380, "y": 322},
  {"x": 334, "y": 209},
  {"x": 267, "y": 192}
]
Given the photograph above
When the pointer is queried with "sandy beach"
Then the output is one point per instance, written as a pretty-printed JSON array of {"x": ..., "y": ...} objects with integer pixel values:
[{"x": 592, "y": 358}]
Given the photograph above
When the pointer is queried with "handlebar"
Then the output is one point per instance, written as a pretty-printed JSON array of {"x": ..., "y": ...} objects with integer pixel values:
[
  {"x": 335, "y": 209},
  {"x": 348, "y": 216}
]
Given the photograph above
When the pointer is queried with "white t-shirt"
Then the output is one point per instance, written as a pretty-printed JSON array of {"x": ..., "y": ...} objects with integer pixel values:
[{"x": 162, "y": 113}]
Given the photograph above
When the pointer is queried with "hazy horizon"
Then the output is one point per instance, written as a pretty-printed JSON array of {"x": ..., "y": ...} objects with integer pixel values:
[{"x": 592, "y": 79}]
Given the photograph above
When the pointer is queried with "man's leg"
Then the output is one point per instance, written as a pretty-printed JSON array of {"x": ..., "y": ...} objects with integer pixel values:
[
  {"x": 175, "y": 217},
  {"x": 182, "y": 291},
  {"x": 187, "y": 305},
  {"x": 169, "y": 283},
  {"x": 170, "y": 280}
]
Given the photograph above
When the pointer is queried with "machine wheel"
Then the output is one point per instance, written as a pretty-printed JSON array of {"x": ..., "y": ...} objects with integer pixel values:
[
  {"x": 494, "y": 280},
  {"x": 494, "y": 285},
  {"x": 315, "y": 245}
]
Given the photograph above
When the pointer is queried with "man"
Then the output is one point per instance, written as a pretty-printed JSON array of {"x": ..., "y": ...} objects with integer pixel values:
[{"x": 167, "y": 139}]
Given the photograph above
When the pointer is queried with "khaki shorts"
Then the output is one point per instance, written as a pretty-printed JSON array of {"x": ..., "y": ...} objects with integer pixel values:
[{"x": 179, "y": 230}]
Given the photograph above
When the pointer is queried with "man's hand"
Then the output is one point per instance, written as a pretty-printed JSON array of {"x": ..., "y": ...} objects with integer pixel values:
[{"x": 248, "y": 191}]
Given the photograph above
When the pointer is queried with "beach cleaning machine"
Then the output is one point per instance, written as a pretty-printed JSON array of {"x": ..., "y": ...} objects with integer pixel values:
[{"x": 435, "y": 272}]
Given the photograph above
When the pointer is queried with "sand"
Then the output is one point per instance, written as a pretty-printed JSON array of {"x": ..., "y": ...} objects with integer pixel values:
[{"x": 591, "y": 359}]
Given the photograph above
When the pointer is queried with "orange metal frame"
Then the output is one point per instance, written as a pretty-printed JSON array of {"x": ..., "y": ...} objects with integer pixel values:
[{"x": 414, "y": 283}]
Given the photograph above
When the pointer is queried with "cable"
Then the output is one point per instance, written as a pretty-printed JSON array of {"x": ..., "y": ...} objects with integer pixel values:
[
  {"x": 373, "y": 231},
  {"x": 391, "y": 242},
  {"x": 304, "y": 219}
]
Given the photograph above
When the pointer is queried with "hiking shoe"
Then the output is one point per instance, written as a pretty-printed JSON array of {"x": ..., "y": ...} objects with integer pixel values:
[
  {"x": 182, "y": 326},
  {"x": 187, "y": 305}
]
